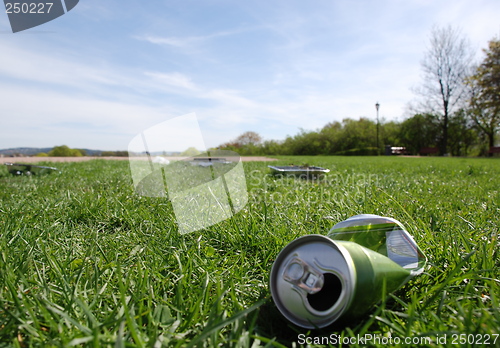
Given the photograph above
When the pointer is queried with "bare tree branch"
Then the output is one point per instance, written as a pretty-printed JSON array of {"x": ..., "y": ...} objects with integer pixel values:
[{"x": 445, "y": 67}]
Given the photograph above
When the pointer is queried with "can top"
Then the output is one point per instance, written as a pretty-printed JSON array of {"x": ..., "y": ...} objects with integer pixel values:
[{"x": 312, "y": 281}]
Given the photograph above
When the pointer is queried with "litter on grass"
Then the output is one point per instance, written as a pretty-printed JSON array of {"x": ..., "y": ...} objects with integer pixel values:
[
  {"x": 299, "y": 171},
  {"x": 29, "y": 169},
  {"x": 317, "y": 280}
]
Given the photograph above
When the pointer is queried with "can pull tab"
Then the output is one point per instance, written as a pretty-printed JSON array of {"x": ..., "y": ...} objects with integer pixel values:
[{"x": 301, "y": 274}]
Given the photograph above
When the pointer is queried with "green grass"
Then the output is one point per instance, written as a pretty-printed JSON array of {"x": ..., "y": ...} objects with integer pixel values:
[{"x": 84, "y": 261}]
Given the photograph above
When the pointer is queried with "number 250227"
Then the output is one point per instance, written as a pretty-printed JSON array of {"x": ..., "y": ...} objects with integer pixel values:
[{"x": 24, "y": 7}]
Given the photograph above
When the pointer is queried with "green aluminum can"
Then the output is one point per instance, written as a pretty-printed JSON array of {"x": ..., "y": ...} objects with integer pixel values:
[{"x": 317, "y": 280}]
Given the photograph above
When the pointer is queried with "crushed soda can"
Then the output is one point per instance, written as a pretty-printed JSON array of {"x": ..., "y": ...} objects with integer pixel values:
[
  {"x": 29, "y": 169},
  {"x": 317, "y": 280}
]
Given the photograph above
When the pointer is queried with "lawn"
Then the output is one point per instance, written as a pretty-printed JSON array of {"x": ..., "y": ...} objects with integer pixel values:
[{"x": 84, "y": 261}]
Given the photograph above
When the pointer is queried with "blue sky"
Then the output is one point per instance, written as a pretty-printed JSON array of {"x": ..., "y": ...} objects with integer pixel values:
[{"x": 105, "y": 71}]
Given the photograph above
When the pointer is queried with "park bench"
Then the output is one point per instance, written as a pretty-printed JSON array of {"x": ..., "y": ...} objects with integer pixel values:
[
  {"x": 395, "y": 150},
  {"x": 428, "y": 151},
  {"x": 494, "y": 149}
]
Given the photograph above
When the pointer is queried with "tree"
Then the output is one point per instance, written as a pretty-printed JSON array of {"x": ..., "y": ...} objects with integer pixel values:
[
  {"x": 389, "y": 132},
  {"x": 64, "y": 151},
  {"x": 272, "y": 147},
  {"x": 419, "y": 131},
  {"x": 332, "y": 133},
  {"x": 358, "y": 134},
  {"x": 462, "y": 133},
  {"x": 485, "y": 92},
  {"x": 247, "y": 143},
  {"x": 190, "y": 152},
  {"x": 445, "y": 66},
  {"x": 248, "y": 138}
]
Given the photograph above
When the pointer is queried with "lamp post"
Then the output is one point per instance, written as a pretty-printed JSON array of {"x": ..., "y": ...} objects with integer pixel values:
[{"x": 377, "y": 106}]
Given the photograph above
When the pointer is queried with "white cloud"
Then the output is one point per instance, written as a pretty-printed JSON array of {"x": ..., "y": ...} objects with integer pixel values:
[
  {"x": 170, "y": 41},
  {"x": 175, "y": 79},
  {"x": 30, "y": 65},
  {"x": 34, "y": 116},
  {"x": 185, "y": 41},
  {"x": 229, "y": 97}
]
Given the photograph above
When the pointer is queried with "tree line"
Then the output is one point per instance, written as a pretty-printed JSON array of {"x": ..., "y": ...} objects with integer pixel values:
[
  {"x": 65, "y": 151},
  {"x": 357, "y": 137},
  {"x": 458, "y": 111}
]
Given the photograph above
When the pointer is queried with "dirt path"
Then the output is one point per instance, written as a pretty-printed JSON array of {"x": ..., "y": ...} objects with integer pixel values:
[{"x": 88, "y": 158}]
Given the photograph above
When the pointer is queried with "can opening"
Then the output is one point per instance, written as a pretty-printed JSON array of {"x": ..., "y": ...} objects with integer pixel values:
[{"x": 328, "y": 295}]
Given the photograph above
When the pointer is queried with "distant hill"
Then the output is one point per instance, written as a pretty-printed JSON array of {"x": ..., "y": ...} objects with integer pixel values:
[{"x": 31, "y": 151}]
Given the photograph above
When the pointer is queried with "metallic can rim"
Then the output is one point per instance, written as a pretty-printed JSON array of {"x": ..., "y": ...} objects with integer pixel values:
[{"x": 348, "y": 281}]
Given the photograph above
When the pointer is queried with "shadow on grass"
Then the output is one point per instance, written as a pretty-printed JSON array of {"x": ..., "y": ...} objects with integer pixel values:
[{"x": 271, "y": 323}]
